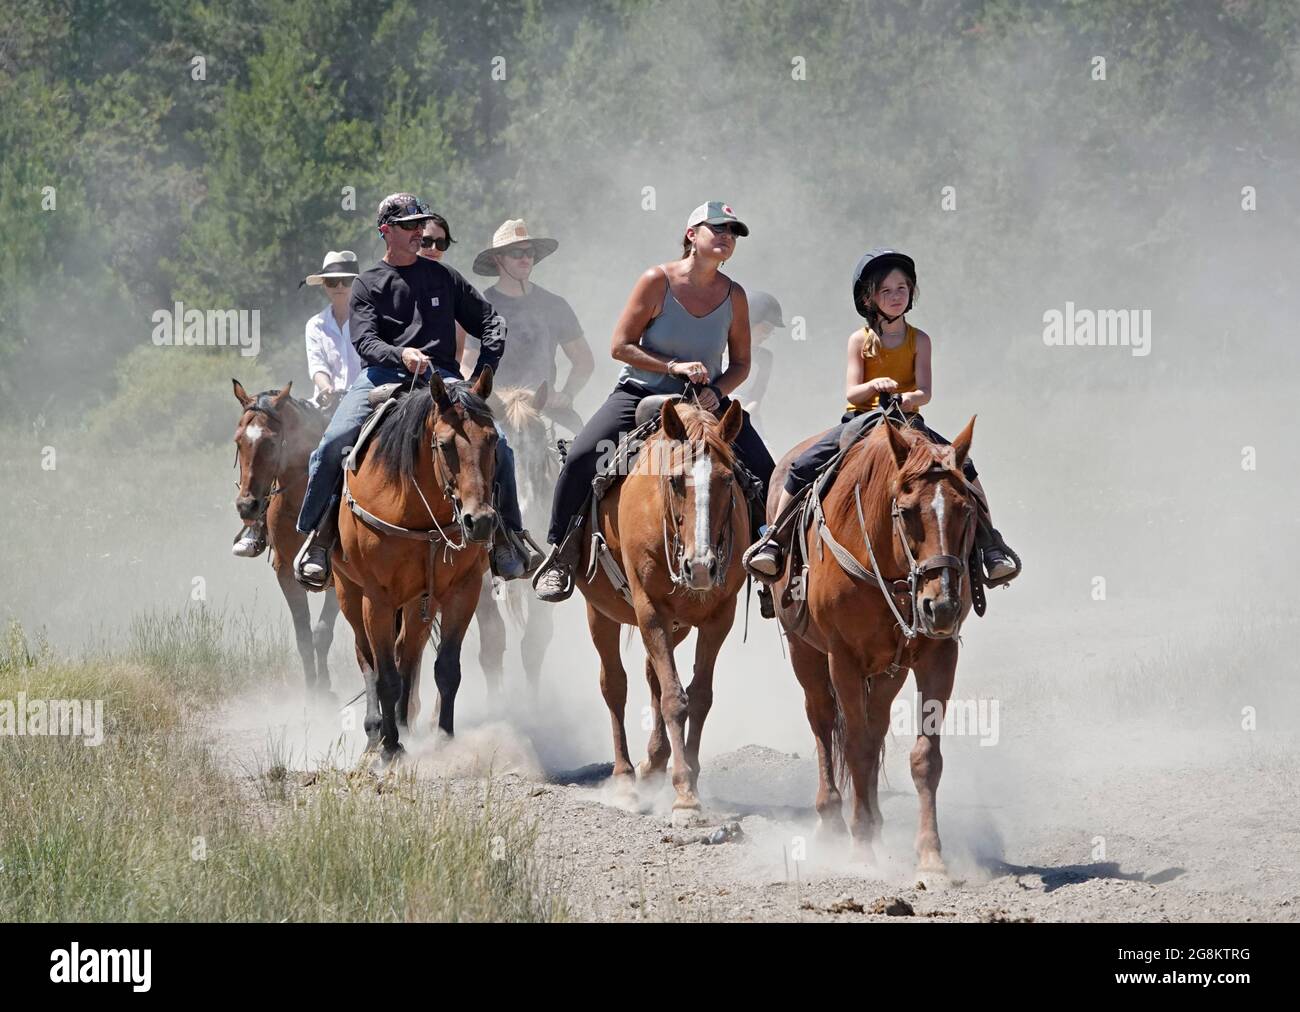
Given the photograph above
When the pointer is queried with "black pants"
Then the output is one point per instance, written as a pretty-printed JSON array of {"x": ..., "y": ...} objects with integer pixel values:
[
  {"x": 601, "y": 434},
  {"x": 807, "y": 464}
]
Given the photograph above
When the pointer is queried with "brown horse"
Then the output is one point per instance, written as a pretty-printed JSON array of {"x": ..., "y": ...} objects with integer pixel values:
[
  {"x": 274, "y": 439},
  {"x": 519, "y": 410},
  {"x": 425, "y": 486},
  {"x": 675, "y": 528},
  {"x": 904, "y": 518}
]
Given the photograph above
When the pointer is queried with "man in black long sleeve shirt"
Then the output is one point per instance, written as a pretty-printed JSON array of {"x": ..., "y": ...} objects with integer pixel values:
[{"x": 403, "y": 317}]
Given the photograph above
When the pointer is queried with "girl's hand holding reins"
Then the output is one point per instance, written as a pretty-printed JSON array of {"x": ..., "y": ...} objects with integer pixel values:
[{"x": 884, "y": 385}]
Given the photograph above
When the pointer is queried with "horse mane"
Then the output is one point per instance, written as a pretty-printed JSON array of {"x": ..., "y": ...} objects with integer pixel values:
[
  {"x": 517, "y": 406},
  {"x": 701, "y": 426},
  {"x": 265, "y": 404},
  {"x": 875, "y": 462},
  {"x": 397, "y": 443}
]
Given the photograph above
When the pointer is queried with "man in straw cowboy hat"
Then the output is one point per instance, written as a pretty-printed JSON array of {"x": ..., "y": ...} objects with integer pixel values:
[
  {"x": 540, "y": 321},
  {"x": 404, "y": 312},
  {"x": 332, "y": 362}
]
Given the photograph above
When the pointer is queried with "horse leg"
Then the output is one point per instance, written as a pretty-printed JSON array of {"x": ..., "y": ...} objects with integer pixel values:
[
  {"x": 349, "y": 598},
  {"x": 455, "y": 612},
  {"x": 673, "y": 704},
  {"x": 699, "y": 694},
  {"x": 613, "y": 687},
  {"x": 884, "y": 688},
  {"x": 658, "y": 749},
  {"x": 322, "y": 639},
  {"x": 410, "y": 650},
  {"x": 491, "y": 638},
  {"x": 850, "y": 688},
  {"x": 934, "y": 679},
  {"x": 539, "y": 628},
  {"x": 812, "y": 670},
  {"x": 296, "y": 598},
  {"x": 381, "y": 629}
]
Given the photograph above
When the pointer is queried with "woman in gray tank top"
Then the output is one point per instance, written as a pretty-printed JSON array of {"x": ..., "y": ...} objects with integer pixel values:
[{"x": 679, "y": 320}]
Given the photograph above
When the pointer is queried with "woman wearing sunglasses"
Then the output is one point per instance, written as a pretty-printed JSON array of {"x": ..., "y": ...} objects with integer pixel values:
[
  {"x": 435, "y": 240},
  {"x": 332, "y": 362},
  {"x": 678, "y": 322}
]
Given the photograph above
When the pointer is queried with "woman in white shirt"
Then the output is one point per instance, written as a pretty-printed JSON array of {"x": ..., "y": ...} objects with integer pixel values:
[{"x": 332, "y": 362}]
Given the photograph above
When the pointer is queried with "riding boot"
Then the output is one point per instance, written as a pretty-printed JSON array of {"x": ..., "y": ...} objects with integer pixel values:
[{"x": 311, "y": 568}]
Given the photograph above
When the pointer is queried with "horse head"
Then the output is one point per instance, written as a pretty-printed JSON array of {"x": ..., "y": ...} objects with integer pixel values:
[
  {"x": 462, "y": 436},
  {"x": 537, "y": 464},
  {"x": 260, "y": 447},
  {"x": 929, "y": 530},
  {"x": 698, "y": 483}
]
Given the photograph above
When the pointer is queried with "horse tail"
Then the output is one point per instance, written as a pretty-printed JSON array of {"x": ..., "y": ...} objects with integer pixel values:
[{"x": 839, "y": 759}]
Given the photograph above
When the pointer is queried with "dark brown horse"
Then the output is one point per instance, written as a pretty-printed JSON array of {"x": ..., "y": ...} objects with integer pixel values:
[
  {"x": 675, "y": 528},
  {"x": 274, "y": 439},
  {"x": 425, "y": 485},
  {"x": 903, "y": 515}
]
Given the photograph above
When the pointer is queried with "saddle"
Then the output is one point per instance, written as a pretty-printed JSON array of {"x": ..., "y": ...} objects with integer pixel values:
[{"x": 381, "y": 400}]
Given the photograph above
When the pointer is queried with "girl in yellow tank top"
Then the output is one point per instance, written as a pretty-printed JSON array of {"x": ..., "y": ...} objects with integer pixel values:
[{"x": 887, "y": 356}]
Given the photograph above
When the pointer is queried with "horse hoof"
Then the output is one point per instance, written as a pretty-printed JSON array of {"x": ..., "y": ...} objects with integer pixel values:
[
  {"x": 387, "y": 759},
  {"x": 831, "y": 829},
  {"x": 932, "y": 873},
  {"x": 685, "y": 818},
  {"x": 648, "y": 773}
]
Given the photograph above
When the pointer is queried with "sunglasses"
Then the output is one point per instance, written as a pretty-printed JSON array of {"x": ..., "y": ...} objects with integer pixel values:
[
  {"x": 726, "y": 227},
  {"x": 522, "y": 254},
  {"x": 337, "y": 282},
  {"x": 409, "y": 226},
  {"x": 442, "y": 242}
]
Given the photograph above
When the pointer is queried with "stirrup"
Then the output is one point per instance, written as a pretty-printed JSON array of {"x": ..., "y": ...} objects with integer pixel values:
[
  {"x": 552, "y": 564},
  {"x": 311, "y": 583},
  {"x": 246, "y": 535},
  {"x": 747, "y": 559},
  {"x": 997, "y": 542}
]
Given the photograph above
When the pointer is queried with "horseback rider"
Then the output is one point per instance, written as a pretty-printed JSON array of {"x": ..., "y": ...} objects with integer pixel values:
[
  {"x": 540, "y": 321},
  {"x": 764, "y": 320},
  {"x": 887, "y": 357},
  {"x": 434, "y": 242},
  {"x": 678, "y": 321},
  {"x": 332, "y": 362},
  {"x": 403, "y": 315}
]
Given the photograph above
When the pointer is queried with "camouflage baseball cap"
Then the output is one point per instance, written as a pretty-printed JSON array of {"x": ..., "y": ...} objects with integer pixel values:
[{"x": 401, "y": 207}]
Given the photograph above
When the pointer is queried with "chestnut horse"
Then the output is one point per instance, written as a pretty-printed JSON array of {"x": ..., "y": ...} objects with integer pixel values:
[
  {"x": 425, "y": 485},
  {"x": 901, "y": 518},
  {"x": 274, "y": 439},
  {"x": 681, "y": 491}
]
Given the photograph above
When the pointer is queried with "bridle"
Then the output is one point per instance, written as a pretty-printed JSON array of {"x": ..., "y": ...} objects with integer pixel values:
[
  {"x": 276, "y": 485},
  {"x": 915, "y": 570},
  {"x": 675, "y": 556}
]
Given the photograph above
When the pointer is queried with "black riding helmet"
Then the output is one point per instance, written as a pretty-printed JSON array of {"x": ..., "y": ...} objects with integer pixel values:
[{"x": 877, "y": 260}]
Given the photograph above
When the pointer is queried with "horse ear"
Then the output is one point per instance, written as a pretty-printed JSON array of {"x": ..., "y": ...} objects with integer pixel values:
[
  {"x": 540, "y": 395},
  {"x": 897, "y": 444},
  {"x": 283, "y": 395},
  {"x": 961, "y": 445},
  {"x": 733, "y": 420},
  {"x": 439, "y": 390},
  {"x": 240, "y": 394},
  {"x": 483, "y": 385},
  {"x": 671, "y": 422}
]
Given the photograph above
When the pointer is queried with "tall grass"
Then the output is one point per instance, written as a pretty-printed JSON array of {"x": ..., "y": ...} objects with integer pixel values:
[{"x": 147, "y": 826}]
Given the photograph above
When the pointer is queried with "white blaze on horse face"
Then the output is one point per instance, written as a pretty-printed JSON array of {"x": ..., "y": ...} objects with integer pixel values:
[
  {"x": 938, "y": 505},
  {"x": 701, "y": 478},
  {"x": 252, "y": 433}
]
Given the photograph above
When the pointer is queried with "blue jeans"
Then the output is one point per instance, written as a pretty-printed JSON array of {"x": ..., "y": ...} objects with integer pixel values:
[{"x": 325, "y": 470}]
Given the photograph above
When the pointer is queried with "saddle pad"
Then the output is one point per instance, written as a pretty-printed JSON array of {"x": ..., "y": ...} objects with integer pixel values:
[{"x": 371, "y": 424}]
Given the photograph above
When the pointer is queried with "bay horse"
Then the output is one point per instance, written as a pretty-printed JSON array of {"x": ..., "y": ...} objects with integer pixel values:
[
  {"x": 886, "y": 592},
  {"x": 519, "y": 410},
  {"x": 413, "y": 530},
  {"x": 682, "y": 492},
  {"x": 273, "y": 441}
]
